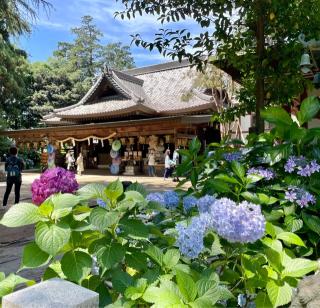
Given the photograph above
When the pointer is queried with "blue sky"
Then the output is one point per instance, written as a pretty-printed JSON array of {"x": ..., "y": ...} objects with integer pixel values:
[{"x": 51, "y": 28}]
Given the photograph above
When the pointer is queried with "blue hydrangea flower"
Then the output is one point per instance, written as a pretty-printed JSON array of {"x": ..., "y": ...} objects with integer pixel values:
[
  {"x": 242, "y": 223},
  {"x": 189, "y": 202},
  {"x": 101, "y": 203},
  {"x": 205, "y": 203},
  {"x": 171, "y": 199},
  {"x": 266, "y": 173},
  {"x": 300, "y": 196},
  {"x": 232, "y": 156},
  {"x": 156, "y": 197},
  {"x": 190, "y": 239}
]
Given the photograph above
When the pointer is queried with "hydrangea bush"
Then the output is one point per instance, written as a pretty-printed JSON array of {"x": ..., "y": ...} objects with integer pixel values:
[{"x": 243, "y": 234}]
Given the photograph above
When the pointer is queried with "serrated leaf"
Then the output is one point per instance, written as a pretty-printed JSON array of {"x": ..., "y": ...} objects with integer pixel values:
[
  {"x": 111, "y": 255},
  {"x": 136, "y": 260},
  {"x": 186, "y": 286},
  {"x": 203, "y": 285},
  {"x": 114, "y": 190},
  {"x": 76, "y": 265},
  {"x": 91, "y": 191},
  {"x": 138, "y": 187},
  {"x": 134, "y": 228},
  {"x": 299, "y": 267},
  {"x": 290, "y": 238},
  {"x": 51, "y": 238},
  {"x": 238, "y": 169},
  {"x": 136, "y": 291},
  {"x": 8, "y": 284},
  {"x": 293, "y": 224},
  {"x": 218, "y": 186},
  {"x": 166, "y": 295},
  {"x": 171, "y": 258},
  {"x": 262, "y": 300},
  {"x": 121, "y": 281},
  {"x": 102, "y": 219},
  {"x": 21, "y": 214},
  {"x": 155, "y": 254},
  {"x": 279, "y": 294},
  {"x": 226, "y": 178},
  {"x": 33, "y": 256},
  {"x": 312, "y": 222},
  {"x": 250, "y": 197},
  {"x": 62, "y": 201}
]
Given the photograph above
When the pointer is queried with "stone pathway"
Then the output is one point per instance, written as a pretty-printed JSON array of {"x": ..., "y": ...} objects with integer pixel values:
[{"x": 12, "y": 240}]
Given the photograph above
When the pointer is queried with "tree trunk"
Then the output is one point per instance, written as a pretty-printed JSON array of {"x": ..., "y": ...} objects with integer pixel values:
[{"x": 260, "y": 91}]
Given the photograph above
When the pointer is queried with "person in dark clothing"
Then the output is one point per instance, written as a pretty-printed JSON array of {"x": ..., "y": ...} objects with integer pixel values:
[{"x": 13, "y": 167}]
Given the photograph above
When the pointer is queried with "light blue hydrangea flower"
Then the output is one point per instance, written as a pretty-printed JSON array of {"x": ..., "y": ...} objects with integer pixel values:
[
  {"x": 101, "y": 203},
  {"x": 189, "y": 202},
  {"x": 232, "y": 156},
  {"x": 242, "y": 223},
  {"x": 171, "y": 199},
  {"x": 190, "y": 239},
  {"x": 156, "y": 197},
  {"x": 204, "y": 204},
  {"x": 266, "y": 173}
]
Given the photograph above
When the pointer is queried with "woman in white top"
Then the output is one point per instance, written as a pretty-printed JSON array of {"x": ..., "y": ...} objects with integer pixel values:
[
  {"x": 167, "y": 165},
  {"x": 151, "y": 164},
  {"x": 79, "y": 163},
  {"x": 69, "y": 161}
]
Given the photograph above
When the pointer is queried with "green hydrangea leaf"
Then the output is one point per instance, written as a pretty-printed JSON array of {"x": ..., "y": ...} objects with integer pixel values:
[{"x": 21, "y": 214}]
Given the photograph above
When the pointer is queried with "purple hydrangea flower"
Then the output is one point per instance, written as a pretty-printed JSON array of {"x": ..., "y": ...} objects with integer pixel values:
[
  {"x": 205, "y": 203},
  {"x": 303, "y": 167},
  {"x": 189, "y": 202},
  {"x": 300, "y": 196},
  {"x": 53, "y": 181},
  {"x": 171, "y": 199},
  {"x": 156, "y": 197},
  {"x": 232, "y": 156},
  {"x": 309, "y": 169},
  {"x": 101, "y": 203},
  {"x": 290, "y": 164},
  {"x": 266, "y": 173}
]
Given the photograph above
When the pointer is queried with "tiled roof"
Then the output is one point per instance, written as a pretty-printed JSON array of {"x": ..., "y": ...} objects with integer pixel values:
[
  {"x": 111, "y": 106},
  {"x": 160, "y": 90}
]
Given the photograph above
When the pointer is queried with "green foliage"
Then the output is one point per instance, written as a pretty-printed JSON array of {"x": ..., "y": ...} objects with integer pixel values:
[
  {"x": 126, "y": 249},
  {"x": 229, "y": 32}
]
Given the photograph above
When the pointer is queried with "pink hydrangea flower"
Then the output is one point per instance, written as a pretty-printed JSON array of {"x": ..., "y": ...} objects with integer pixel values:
[{"x": 53, "y": 181}]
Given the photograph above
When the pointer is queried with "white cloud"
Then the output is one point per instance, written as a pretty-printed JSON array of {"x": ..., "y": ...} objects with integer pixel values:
[{"x": 51, "y": 24}]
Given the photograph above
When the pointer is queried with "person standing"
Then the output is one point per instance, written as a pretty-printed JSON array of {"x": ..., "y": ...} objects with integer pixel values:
[
  {"x": 13, "y": 167},
  {"x": 151, "y": 164},
  {"x": 79, "y": 163},
  {"x": 69, "y": 160},
  {"x": 167, "y": 165},
  {"x": 176, "y": 159}
]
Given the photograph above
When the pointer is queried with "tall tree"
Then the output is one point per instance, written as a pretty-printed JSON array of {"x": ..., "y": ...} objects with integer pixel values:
[
  {"x": 256, "y": 37},
  {"x": 86, "y": 48},
  {"x": 15, "y": 16},
  {"x": 115, "y": 55}
]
